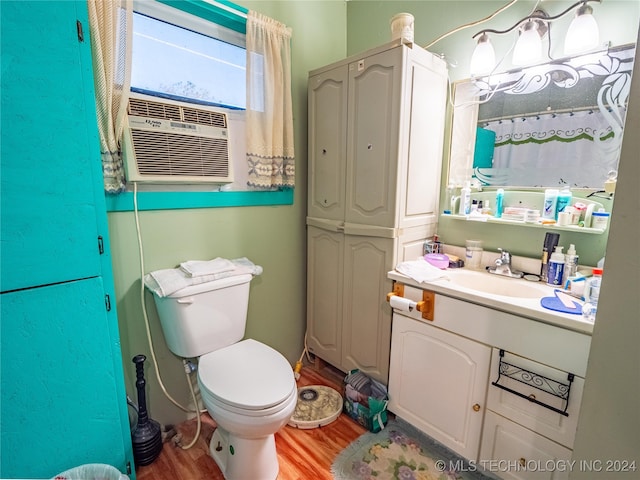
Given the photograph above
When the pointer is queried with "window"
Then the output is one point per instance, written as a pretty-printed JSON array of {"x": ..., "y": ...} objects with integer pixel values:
[
  {"x": 184, "y": 57},
  {"x": 194, "y": 51}
]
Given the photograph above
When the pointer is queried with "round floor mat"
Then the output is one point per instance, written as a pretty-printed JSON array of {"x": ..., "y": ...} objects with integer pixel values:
[{"x": 317, "y": 406}]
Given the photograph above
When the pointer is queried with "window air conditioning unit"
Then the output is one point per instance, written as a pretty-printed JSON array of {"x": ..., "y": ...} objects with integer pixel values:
[{"x": 166, "y": 141}]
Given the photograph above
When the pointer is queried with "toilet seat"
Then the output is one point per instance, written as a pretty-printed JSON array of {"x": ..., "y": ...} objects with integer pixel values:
[{"x": 247, "y": 377}]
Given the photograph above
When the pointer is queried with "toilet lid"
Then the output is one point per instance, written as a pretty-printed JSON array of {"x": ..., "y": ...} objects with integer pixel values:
[{"x": 248, "y": 374}]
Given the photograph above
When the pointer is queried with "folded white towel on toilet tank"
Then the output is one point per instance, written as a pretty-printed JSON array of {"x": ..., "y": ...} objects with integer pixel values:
[
  {"x": 197, "y": 268},
  {"x": 165, "y": 282}
]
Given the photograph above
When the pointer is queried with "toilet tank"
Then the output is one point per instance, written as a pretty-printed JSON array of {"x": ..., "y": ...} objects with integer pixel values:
[{"x": 205, "y": 317}]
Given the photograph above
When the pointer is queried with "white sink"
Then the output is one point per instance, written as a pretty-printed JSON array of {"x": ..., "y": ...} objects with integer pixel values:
[{"x": 496, "y": 285}]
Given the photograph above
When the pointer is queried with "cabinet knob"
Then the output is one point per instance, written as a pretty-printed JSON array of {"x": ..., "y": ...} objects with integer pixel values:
[
  {"x": 532, "y": 396},
  {"x": 476, "y": 407}
]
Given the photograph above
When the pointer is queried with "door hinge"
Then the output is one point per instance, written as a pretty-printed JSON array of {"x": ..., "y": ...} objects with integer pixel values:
[
  {"x": 107, "y": 302},
  {"x": 100, "y": 245},
  {"x": 80, "y": 31},
  {"x": 128, "y": 468}
]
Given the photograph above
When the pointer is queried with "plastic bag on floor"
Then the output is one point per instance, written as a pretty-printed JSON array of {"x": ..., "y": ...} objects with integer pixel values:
[{"x": 92, "y": 471}]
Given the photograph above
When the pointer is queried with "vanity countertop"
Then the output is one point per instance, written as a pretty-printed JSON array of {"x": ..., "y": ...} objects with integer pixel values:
[{"x": 518, "y": 305}]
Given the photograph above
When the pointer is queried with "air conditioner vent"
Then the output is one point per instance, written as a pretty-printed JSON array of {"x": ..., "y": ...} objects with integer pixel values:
[
  {"x": 175, "y": 155},
  {"x": 145, "y": 108},
  {"x": 150, "y": 109},
  {"x": 204, "y": 117}
]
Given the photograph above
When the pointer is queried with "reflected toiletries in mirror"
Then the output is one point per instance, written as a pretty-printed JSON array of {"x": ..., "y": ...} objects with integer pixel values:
[{"x": 559, "y": 123}]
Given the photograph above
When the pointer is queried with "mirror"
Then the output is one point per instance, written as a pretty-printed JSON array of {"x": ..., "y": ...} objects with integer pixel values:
[{"x": 559, "y": 123}]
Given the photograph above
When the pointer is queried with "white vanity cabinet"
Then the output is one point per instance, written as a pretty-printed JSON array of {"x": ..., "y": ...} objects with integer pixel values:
[
  {"x": 438, "y": 383},
  {"x": 499, "y": 389},
  {"x": 376, "y": 131}
]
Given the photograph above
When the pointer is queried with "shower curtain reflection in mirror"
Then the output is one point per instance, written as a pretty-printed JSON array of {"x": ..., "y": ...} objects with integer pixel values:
[{"x": 548, "y": 125}]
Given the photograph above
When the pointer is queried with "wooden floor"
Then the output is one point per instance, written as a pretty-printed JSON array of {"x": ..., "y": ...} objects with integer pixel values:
[{"x": 302, "y": 454}]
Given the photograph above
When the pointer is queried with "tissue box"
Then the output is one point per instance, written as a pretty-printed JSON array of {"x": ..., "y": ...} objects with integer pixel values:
[{"x": 365, "y": 400}]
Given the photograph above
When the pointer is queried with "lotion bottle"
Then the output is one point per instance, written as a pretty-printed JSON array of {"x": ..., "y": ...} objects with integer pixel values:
[
  {"x": 465, "y": 199},
  {"x": 570, "y": 264},
  {"x": 556, "y": 267}
]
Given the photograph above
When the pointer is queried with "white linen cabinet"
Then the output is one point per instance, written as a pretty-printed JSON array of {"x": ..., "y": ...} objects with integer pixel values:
[{"x": 376, "y": 128}]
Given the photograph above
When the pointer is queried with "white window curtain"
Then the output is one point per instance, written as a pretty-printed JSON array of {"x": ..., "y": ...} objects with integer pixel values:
[
  {"x": 269, "y": 114},
  {"x": 111, "y": 32}
]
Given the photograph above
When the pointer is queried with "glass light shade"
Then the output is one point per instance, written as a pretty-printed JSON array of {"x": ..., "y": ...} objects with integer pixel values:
[
  {"x": 583, "y": 33},
  {"x": 528, "y": 48},
  {"x": 483, "y": 59}
]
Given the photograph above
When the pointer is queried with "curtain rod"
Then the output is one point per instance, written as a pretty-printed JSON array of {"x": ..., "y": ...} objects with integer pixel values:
[{"x": 594, "y": 108}]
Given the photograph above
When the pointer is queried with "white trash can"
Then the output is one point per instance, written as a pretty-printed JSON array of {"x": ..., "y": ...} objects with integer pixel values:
[{"x": 92, "y": 471}]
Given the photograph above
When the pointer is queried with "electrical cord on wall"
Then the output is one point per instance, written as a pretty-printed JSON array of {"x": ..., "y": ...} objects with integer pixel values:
[
  {"x": 187, "y": 369},
  {"x": 470, "y": 24}
]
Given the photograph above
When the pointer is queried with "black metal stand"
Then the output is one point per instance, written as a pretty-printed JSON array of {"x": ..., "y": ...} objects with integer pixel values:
[
  {"x": 147, "y": 438},
  {"x": 540, "y": 382}
]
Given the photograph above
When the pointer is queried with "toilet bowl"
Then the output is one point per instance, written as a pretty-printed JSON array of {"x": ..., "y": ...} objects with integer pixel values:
[{"x": 249, "y": 389}]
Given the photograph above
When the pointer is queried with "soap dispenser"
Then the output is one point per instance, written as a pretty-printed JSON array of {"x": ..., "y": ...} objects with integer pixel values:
[{"x": 556, "y": 267}]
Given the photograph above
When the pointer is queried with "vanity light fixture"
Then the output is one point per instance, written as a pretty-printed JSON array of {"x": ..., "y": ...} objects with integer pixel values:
[
  {"x": 484, "y": 56},
  {"x": 582, "y": 35},
  {"x": 528, "y": 47}
]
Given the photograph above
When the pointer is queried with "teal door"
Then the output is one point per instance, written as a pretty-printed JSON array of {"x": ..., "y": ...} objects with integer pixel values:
[
  {"x": 59, "y": 407},
  {"x": 48, "y": 220},
  {"x": 63, "y": 401}
]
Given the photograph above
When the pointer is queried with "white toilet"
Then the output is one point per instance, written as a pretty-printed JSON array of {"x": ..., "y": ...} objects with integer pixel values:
[{"x": 248, "y": 387}]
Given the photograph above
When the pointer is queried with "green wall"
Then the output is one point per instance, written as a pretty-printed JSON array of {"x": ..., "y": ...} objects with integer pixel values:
[
  {"x": 271, "y": 236},
  {"x": 368, "y": 25}
]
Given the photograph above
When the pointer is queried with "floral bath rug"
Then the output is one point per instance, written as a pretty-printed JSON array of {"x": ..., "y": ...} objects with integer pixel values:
[{"x": 401, "y": 452}]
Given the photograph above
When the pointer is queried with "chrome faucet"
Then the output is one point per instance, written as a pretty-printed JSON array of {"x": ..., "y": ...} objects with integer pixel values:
[{"x": 503, "y": 266}]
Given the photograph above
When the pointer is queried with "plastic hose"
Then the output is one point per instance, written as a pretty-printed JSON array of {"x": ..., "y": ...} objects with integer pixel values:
[{"x": 148, "y": 329}]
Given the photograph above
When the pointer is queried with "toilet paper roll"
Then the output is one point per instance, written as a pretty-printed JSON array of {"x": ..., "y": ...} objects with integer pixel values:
[{"x": 402, "y": 304}]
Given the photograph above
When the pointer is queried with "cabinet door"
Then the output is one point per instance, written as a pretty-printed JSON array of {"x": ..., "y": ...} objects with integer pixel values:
[
  {"x": 516, "y": 453},
  {"x": 325, "y": 253},
  {"x": 327, "y": 143},
  {"x": 366, "y": 331},
  {"x": 60, "y": 401},
  {"x": 438, "y": 382},
  {"x": 48, "y": 221},
  {"x": 372, "y": 141}
]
